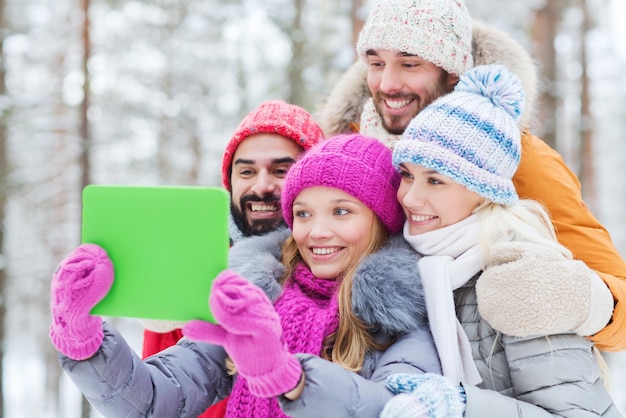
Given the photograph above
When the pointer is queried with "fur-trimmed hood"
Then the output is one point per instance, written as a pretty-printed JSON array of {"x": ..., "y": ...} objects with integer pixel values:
[
  {"x": 386, "y": 293},
  {"x": 342, "y": 109}
]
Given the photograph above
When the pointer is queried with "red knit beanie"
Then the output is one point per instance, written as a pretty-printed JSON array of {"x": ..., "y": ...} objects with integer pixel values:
[{"x": 273, "y": 117}]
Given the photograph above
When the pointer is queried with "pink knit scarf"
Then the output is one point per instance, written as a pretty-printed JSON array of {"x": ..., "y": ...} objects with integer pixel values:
[{"x": 309, "y": 312}]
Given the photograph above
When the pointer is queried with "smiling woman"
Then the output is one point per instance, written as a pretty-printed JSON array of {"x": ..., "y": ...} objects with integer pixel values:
[
  {"x": 310, "y": 335},
  {"x": 463, "y": 150},
  {"x": 331, "y": 229}
]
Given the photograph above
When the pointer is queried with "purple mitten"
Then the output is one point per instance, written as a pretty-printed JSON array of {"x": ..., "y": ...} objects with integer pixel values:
[
  {"x": 81, "y": 280},
  {"x": 250, "y": 332}
]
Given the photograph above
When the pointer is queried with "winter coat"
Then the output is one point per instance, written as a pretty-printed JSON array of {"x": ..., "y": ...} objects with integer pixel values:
[
  {"x": 185, "y": 379},
  {"x": 542, "y": 174},
  {"x": 545, "y": 376},
  {"x": 541, "y": 376}
]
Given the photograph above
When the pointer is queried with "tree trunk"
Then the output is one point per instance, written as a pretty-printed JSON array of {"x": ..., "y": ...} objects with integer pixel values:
[
  {"x": 4, "y": 191},
  {"x": 298, "y": 92},
  {"x": 586, "y": 120},
  {"x": 544, "y": 31},
  {"x": 84, "y": 106},
  {"x": 85, "y": 132},
  {"x": 358, "y": 20}
]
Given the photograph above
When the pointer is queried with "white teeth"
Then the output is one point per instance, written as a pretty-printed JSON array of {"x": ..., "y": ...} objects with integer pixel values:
[
  {"x": 397, "y": 104},
  {"x": 324, "y": 251},
  {"x": 255, "y": 207},
  {"x": 421, "y": 218}
]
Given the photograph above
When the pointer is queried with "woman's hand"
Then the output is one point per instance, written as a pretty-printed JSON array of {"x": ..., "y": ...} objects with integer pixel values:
[{"x": 80, "y": 281}]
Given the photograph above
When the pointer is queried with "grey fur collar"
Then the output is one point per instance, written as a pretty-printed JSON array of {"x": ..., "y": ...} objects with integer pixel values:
[
  {"x": 490, "y": 45},
  {"x": 234, "y": 232},
  {"x": 387, "y": 292}
]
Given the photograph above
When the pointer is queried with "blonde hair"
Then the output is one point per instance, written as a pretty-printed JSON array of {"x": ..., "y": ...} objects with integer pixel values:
[
  {"x": 348, "y": 345},
  {"x": 526, "y": 220}
]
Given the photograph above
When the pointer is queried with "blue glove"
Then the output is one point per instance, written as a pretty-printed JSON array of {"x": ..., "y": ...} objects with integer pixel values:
[{"x": 426, "y": 395}]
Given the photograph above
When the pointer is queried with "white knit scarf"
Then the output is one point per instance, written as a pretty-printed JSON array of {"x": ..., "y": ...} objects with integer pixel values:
[
  {"x": 451, "y": 256},
  {"x": 372, "y": 125}
]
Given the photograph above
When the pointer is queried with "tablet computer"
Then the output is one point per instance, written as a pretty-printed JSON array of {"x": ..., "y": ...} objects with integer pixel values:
[{"x": 167, "y": 244}]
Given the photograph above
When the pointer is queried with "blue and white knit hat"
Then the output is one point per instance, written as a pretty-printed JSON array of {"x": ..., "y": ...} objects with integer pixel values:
[{"x": 471, "y": 134}]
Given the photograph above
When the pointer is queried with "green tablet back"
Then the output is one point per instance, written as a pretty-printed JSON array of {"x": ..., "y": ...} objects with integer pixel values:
[{"x": 167, "y": 245}]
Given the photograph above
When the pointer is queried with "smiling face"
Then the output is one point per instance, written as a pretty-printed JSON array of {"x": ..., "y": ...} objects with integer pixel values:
[
  {"x": 431, "y": 200},
  {"x": 258, "y": 172},
  {"x": 331, "y": 229},
  {"x": 402, "y": 85}
]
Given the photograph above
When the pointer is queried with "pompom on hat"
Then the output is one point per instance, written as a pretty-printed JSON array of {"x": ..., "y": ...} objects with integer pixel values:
[
  {"x": 471, "y": 134},
  {"x": 358, "y": 165},
  {"x": 439, "y": 31},
  {"x": 272, "y": 117}
]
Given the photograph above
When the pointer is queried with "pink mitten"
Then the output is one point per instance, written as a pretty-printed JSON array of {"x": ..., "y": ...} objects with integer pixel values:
[
  {"x": 250, "y": 332},
  {"x": 81, "y": 280}
]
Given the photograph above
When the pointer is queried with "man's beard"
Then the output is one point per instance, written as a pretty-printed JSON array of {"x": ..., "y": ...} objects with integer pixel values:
[
  {"x": 396, "y": 124},
  {"x": 258, "y": 226}
]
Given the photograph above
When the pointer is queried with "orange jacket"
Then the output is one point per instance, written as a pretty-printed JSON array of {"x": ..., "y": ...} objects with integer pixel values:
[{"x": 543, "y": 176}]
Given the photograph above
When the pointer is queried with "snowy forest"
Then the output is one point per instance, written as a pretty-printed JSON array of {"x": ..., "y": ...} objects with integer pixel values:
[{"x": 148, "y": 92}]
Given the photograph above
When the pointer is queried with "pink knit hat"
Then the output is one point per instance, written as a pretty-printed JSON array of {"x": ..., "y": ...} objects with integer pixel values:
[
  {"x": 354, "y": 163},
  {"x": 273, "y": 117}
]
